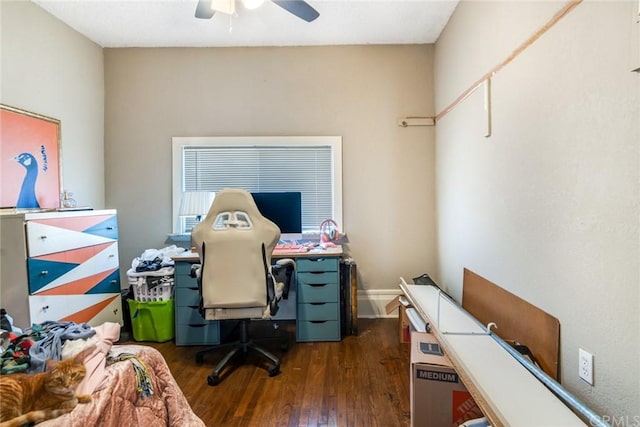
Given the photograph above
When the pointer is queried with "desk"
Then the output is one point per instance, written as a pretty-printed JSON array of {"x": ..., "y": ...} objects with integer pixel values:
[
  {"x": 192, "y": 257},
  {"x": 315, "y": 298}
]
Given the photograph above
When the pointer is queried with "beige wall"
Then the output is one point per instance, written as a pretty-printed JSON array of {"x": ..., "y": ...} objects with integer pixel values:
[
  {"x": 548, "y": 207},
  {"x": 358, "y": 92},
  {"x": 50, "y": 69}
]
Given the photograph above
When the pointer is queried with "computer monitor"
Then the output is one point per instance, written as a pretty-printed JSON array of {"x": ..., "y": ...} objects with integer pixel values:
[{"x": 283, "y": 208}]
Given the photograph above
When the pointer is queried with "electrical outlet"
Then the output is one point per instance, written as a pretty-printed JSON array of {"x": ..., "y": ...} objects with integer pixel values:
[{"x": 585, "y": 365}]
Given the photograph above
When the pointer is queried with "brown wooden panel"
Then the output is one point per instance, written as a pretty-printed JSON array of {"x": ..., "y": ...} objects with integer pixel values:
[{"x": 517, "y": 319}]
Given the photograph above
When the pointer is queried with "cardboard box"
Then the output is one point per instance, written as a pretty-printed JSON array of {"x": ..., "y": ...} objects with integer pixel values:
[
  {"x": 438, "y": 397},
  {"x": 401, "y": 303}
]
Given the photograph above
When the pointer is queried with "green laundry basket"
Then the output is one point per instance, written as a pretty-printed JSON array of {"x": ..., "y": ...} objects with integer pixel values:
[{"x": 152, "y": 321}]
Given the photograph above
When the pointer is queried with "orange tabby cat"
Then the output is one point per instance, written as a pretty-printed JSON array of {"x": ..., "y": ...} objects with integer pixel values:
[{"x": 35, "y": 398}]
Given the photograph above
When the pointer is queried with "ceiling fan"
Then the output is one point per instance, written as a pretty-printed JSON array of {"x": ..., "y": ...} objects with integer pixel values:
[{"x": 207, "y": 8}]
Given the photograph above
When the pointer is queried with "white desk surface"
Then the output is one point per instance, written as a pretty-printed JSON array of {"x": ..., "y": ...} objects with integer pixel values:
[{"x": 506, "y": 391}]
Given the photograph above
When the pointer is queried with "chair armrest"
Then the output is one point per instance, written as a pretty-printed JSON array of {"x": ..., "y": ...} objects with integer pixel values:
[
  {"x": 289, "y": 266},
  {"x": 195, "y": 270}
]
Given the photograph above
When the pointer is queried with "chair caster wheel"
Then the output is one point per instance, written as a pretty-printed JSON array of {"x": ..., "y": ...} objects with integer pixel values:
[
  {"x": 274, "y": 370},
  {"x": 284, "y": 345},
  {"x": 199, "y": 358},
  {"x": 213, "y": 379}
]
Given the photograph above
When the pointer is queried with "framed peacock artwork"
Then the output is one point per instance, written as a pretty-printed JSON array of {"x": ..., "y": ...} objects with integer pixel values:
[{"x": 30, "y": 167}]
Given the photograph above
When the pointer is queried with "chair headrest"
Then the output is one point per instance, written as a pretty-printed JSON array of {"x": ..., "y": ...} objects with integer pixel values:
[{"x": 235, "y": 204}]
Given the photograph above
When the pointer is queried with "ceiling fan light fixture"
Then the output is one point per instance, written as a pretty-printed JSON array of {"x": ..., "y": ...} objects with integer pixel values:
[
  {"x": 223, "y": 6},
  {"x": 252, "y": 4}
]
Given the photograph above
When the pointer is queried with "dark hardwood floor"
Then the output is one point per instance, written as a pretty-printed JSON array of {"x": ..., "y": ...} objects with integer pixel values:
[{"x": 362, "y": 380}]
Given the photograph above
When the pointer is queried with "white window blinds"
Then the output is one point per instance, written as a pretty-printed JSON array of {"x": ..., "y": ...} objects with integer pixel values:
[{"x": 278, "y": 164}]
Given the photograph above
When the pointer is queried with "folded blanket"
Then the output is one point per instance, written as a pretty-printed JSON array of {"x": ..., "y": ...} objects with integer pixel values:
[{"x": 105, "y": 335}]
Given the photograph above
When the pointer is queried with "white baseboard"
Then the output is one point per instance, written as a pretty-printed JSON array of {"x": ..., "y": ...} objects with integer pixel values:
[{"x": 372, "y": 303}]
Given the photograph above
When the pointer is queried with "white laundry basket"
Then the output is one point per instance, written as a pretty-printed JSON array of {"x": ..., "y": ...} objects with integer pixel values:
[{"x": 152, "y": 286}]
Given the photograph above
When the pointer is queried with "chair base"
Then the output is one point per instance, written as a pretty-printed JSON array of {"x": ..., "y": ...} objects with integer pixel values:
[{"x": 241, "y": 348}]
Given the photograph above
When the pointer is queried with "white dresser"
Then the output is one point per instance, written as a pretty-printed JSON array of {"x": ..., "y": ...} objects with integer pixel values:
[{"x": 60, "y": 266}]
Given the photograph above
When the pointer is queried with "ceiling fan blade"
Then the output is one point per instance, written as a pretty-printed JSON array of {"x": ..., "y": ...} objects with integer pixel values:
[
  {"x": 300, "y": 8},
  {"x": 204, "y": 9}
]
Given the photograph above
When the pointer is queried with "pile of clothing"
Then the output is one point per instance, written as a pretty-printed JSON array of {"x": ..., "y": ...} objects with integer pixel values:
[
  {"x": 155, "y": 259},
  {"x": 29, "y": 352}
]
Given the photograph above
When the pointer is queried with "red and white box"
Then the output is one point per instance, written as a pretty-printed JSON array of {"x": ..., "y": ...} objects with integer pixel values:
[{"x": 438, "y": 396}]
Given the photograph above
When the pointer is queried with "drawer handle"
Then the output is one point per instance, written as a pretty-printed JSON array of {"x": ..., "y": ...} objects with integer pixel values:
[
  {"x": 197, "y": 326},
  {"x": 193, "y": 306},
  {"x": 109, "y": 228},
  {"x": 111, "y": 255},
  {"x": 316, "y": 259},
  {"x": 44, "y": 272},
  {"x": 318, "y": 285},
  {"x": 316, "y": 272},
  {"x": 43, "y": 237},
  {"x": 114, "y": 281},
  {"x": 317, "y": 303},
  {"x": 318, "y": 321}
]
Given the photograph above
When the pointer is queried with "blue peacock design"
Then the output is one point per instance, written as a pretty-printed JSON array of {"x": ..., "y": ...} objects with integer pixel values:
[{"x": 27, "y": 197}]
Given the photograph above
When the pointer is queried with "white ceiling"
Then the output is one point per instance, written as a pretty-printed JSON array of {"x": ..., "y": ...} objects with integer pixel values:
[{"x": 164, "y": 23}]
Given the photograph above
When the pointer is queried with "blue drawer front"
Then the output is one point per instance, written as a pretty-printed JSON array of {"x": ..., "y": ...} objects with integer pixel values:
[
  {"x": 107, "y": 228},
  {"x": 318, "y": 311},
  {"x": 189, "y": 315},
  {"x": 43, "y": 272},
  {"x": 187, "y": 297},
  {"x": 316, "y": 264},
  {"x": 318, "y": 278},
  {"x": 205, "y": 334},
  {"x": 318, "y": 293},
  {"x": 184, "y": 281},
  {"x": 307, "y": 330},
  {"x": 183, "y": 267},
  {"x": 108, "y": 285}
]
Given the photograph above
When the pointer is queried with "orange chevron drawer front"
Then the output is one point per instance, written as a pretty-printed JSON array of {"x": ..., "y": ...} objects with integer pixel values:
[{"x": 72, "y": 267}]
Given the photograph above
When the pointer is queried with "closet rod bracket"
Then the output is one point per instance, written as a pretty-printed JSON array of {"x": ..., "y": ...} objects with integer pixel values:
[{"x": 416, "y": 121}]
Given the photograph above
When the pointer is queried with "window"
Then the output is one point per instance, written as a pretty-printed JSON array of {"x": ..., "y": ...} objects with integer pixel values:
[{"x": 311, "y": 165}]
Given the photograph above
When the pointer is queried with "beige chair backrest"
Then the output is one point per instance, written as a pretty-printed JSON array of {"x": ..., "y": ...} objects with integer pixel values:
[{"x": 230, "y": 242}]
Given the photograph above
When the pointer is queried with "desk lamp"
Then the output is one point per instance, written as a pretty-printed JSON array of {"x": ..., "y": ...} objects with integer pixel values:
[{"x": 196, "y": 203}]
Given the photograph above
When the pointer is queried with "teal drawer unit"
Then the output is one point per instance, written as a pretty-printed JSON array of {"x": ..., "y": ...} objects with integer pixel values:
[
  {"x": 325, "y": 330},
  {"x": 316, "y": 265},
  {"x": 318, "y": 294},
  {"x": 318, "y": 311},
  {"x": 191, "y": 327}
]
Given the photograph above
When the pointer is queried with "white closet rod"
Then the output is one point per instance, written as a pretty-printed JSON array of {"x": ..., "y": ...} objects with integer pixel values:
[{"x": 559, "y": 15}]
